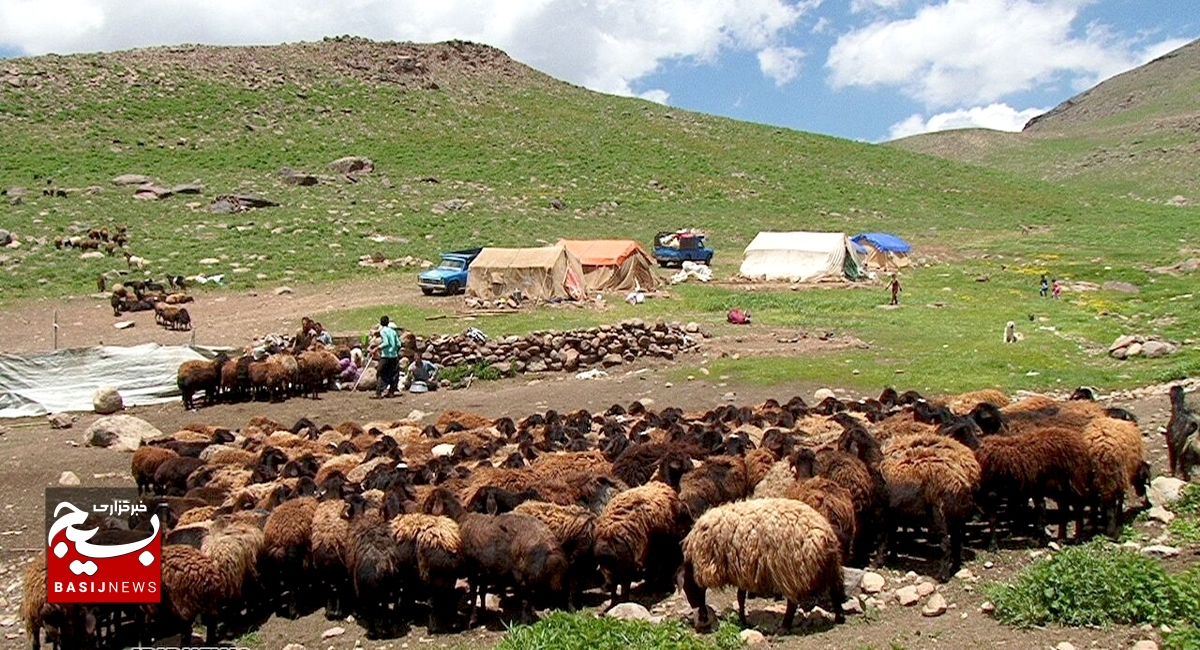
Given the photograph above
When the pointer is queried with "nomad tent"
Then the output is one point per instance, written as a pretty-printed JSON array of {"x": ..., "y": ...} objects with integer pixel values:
[
  {"x": 613, "y": 264},
  {"x": 550, "y": 273},
  {"x": 882, "y": 250},
  {"x": 801, "y": 257}
]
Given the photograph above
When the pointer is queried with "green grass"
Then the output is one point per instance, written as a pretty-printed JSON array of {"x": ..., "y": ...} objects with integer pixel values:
[
  {"x": 1185, "y": 528},
  {"x": 1186, "y": 637},
  {"x": 1098, "y": 584},
  {"x": 563, "y": 631},
  {"x": 623, "y": 167}
]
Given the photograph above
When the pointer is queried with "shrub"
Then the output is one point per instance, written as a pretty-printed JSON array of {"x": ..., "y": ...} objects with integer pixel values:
[
  {"x": 1097, "y": 584},
  {"x": 1184, "y": 638},
  {"x": 563, "y": 631},
  {"x": 480, "y": 370}
]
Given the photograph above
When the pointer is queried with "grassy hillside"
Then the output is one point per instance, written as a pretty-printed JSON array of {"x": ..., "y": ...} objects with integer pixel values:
[
  {"x": 1133, "y": 135},
  {"x": 457, "y": 121}
]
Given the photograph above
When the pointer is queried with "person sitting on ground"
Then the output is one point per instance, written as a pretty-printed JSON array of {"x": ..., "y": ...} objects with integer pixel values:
[{"x": 420, "y": 373}]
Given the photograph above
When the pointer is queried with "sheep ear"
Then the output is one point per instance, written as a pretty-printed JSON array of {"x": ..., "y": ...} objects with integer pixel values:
[{"x": 492, "y": 506}]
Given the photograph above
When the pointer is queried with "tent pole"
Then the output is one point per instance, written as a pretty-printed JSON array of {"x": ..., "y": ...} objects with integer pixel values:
[{"x": 55, "y": 329}]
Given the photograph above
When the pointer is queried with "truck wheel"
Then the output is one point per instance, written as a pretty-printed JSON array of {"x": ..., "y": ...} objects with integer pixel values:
[
  {"x": 427, "y": 291},
  {"x": 664, "y": 263},
  {"x": 452, "y": 288}
]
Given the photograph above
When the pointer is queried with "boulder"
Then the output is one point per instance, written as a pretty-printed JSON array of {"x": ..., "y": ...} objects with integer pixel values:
[
  {"x": 1155, "y": 349},
  {"x": 5, "y": 237},
  {"x": 821, "y": 394},
  {"x": 751, "y": 637},
  {"x": 629, "y": 612},
  {"x": 294, "y": 177},
  {"x": 851, "y": 578},
  {"x": 368, "y": 379},
  {"x": 353, "y": 165},
  {"x": 1165, "y": 490},
  {"x": 1123, "y": 341},
  {"x": 935, "y": 606},
  {"x": 1123, "y": 287},
  {"x": 907, "y": 596},
  {"x": 1133, "y": 350},
  {"x": 107, "y": 401},
  {"x": 60, "y": 420},
  {"x": 872, "y": 583},
  {"x": 120, "y": 432},
  {"x": 611, "y": 360}
]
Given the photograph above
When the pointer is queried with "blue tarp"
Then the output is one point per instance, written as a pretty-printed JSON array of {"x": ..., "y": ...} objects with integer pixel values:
[{"x": 883, "y": 241}]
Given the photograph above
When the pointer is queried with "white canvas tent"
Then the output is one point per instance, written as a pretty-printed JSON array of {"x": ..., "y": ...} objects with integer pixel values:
[
  {"x": 547, "y": 273},
  {"x": 801, "y": 257},
  {"x": 66, "y": 380}
]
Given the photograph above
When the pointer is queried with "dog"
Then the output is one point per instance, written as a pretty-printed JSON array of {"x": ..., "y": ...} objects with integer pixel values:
[{"x": 1010, "y": 332}]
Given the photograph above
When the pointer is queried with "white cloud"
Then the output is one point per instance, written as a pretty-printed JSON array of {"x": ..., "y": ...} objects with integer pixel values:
[
  {"x": 998, "y": 117},
  {"x": 780, "y": 63},
  {"x": 974, "y": 51},
  {"x": 657, "y": 96},
  {"x": 606, "y": 45},
  {"x": 859, "y": 6}
]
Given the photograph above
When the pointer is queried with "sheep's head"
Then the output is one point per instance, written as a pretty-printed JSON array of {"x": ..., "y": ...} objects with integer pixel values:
[
  {"x": 672, "y": 467},
  {"x": 988, "y": 417},
  {"x": 963, "y": 430},
  {"x": 442, "y": 503}
]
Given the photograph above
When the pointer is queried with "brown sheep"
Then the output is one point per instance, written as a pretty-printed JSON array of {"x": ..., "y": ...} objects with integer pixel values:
[
  {"x": 833, "y": 501},
  {"x": 638, "y": 533},
  {"x": 192, "y": 586},
  {"x": 195, "y": 376},
  {"x": 774, "y": 547},
  {"x": 934, "y": 475},
  {"x": 67, "y": 625},
  {"x": 145, "y": 463},
  {"x": 287, "y": 544},
  {"x": 1119, "y": 463},
  {"x": 432, "y": 545},
  {"x": 575, "y": 529}
]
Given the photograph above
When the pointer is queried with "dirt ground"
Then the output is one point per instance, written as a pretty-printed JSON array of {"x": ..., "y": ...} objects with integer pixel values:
[{"x": 33, "y": 456}]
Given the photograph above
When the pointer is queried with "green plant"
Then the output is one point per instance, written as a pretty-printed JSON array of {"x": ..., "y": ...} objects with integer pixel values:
[
  {"x": 1189, "y": 501},
  {"x": 1185, "y": 530},
  {"x": 1186, "y": 637},
  {"x": 1097, "y": 584},
  {"x": 251, "y": 640},
  {"x": 580, "y": 631},
  {"x": 479, "y": 370}
]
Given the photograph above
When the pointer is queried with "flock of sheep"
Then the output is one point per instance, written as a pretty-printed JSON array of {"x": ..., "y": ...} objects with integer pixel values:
[{"x": 386, "y": 520}]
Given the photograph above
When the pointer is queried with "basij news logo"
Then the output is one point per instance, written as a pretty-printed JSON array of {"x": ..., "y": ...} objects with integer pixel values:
[{"x": 103, "y": 546}]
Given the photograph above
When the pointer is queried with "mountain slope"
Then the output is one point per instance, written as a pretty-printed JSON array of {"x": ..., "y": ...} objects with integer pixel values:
[
  {"x": 1135, "y": 134},
  {"x": 470, "y": 148}
]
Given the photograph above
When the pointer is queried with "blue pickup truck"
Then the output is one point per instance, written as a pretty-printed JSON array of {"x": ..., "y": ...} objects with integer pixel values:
[
  {"x": 450, "y": 276},
  {"x": 675, "y": 248}
]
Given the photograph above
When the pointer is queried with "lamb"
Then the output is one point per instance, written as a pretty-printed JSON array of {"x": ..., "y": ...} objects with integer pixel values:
[
  {"x": 934, "y": 475},
  {"x": 501, "y": 550},
  {"x": 194, "y": 376},
  {"x": 172, "y": 474},
  {"x": 765, "y": 546},
  {"x": 638, "y": 533},
  {"x": 1183, "y": 450}
]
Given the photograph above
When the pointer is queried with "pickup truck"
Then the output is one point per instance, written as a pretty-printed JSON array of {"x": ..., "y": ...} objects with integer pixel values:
[
  {"x": 675, "y": 248},
  {"x": 450, "y": 276}
]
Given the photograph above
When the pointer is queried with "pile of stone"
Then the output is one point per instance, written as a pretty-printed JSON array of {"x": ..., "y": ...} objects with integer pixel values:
[
  {"x": 607, "y": 345},
  {"x": 1136, "y": 345}
]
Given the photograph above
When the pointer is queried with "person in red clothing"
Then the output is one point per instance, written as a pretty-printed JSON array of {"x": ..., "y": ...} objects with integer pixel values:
[{"x": 894, "y": 285}]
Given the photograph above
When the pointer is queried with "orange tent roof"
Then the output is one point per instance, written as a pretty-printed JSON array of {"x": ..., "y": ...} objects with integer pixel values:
[{"x": 601, "y": 252}]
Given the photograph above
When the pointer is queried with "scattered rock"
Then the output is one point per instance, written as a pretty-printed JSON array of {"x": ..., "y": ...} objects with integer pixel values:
[
  {"x": 187, "y": 188},
  {"x": 1123, "y": 287},
  {"x": 280, "y": 291},
  {"x": 332, "y": 632},
  {"x": 68, "y": 478},
  {"x": 294, "y": 646},
  {"x": 925, "y": 588},
  {"x": 132, "y": 179},
  {"x": 935, "y": 606},
  {"x": 752, "y": 637},
  {"x": 821, "y": 394},
  {"x": 120, "y": 432},
  {"x": 60, "y": 420},
  {"x": 964, "y": 574},
  {"x": 1160, "y": 550},
  {"x": 353, "y": 165},
  {"x": 873, "y": 583},
  {"x": 907, "y": 596},
  {"x": 1145, "y": 645},
  {"x": 1161, "y": 514},
  {"x": 1165, "y": 490},
  {"x": 987, "y": 607},
  {"x": 1156, "y": 349},
  {"x": 1065, "y": 645},
  {"x": 292, "y": 177},
  {"x": 852, "y": 578},
  {"x": 151, "y": 192},
  {"x": 123, "y": 324},
  {"x": 107, "y": 401},
  {"x": 629, "y": 612},
  {"x": 852, "y": 606},
  {"x": 5, "y": 237}
]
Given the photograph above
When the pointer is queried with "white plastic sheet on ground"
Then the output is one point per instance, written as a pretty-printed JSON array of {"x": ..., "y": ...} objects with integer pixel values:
[
  {"x": 38, "y": 383},
  {"x": 690, "y": 269}
]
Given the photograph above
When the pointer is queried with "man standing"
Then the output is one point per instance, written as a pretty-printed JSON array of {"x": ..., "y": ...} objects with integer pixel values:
[{"x": 389, "y": 359}]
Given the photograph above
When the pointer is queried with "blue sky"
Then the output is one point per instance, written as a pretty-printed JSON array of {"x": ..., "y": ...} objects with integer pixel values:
[{"x": 861, "y": 69}]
